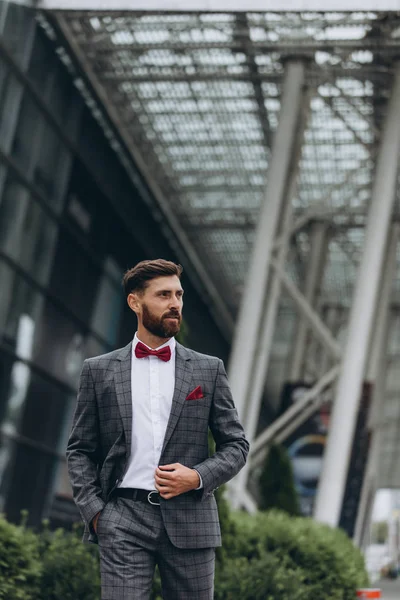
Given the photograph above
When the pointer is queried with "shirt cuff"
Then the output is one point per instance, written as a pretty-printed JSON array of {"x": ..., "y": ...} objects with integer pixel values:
[{"x": 201, "y": 481}]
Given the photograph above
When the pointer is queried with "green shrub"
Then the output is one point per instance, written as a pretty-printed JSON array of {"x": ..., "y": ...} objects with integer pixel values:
[
  {"x": 70, "y": 568},
  {"x": 20, "y": 568},
  {"x": 277, "y": 487},
  {"x": 262, "y": 578},
  {"x": 323, "y": 561},
  {"x": 156, "y": 588},
  {"x": 269, "y": 556}
]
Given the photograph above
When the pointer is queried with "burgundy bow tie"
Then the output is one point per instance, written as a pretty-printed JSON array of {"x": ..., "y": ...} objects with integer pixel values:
[{"x": 141, "y": 351}]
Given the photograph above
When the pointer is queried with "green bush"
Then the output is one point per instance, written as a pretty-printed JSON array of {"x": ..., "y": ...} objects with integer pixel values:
[
  {"x": 70, "y": 568},
  {"x": 20, "y": 568},
  {"x": 262, "y": 578},
  {"x": 277, "y": 486},
  {"x": 269, "y": 556},
  {"x": 276, "y": 554},
  {"x": 156, "y": 592}
]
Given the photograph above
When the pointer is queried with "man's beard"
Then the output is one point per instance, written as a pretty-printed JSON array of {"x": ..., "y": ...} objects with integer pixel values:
[{"x": 159, "y": 326}]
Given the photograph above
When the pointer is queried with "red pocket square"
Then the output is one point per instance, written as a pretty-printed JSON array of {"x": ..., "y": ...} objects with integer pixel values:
[{"x": 196, "y": 394}]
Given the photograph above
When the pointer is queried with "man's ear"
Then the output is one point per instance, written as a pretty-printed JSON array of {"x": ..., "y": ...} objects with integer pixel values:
[{"x": 133, "y": 302}]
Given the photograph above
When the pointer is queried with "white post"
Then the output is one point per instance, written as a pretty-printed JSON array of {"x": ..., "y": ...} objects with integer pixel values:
[
  {"x": 344, "y": 415},
  {"x": 376, "y": 375},
  {"x": 313, "y": 280},
  {"x": 250, "y": 315},
  {"x": 261, "y": 359}
]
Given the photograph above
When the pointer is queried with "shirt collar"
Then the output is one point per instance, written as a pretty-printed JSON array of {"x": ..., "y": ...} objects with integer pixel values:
[{"x": 171, "y": 343}]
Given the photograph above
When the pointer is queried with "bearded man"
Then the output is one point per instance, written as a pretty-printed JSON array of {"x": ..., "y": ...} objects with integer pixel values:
[{"x": 138, "y": 454}]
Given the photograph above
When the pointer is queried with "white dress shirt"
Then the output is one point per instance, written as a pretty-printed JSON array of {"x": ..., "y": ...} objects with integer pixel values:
[{"x": 153, "y": 383}]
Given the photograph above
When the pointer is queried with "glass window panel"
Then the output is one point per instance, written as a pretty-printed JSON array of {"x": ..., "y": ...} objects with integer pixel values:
[
  {"x": 62, "y": 512},
  {"x": 21, "y": 309},
  {"x": 62, "y": 486},
  {"x": 42, "y": 63},
  {"x": 45, "y": 397},
  {"x": 108, "y": 303},
  {"x": 75, "y": 277},
  {"x": 3, "y": 12},
  {"x": 35, "y": 409},
  {"x": 60, "y": 99},
  {"x": 5, "y": 75},
  {"x": 24, "y": 147},
  {"x": 35, "y": 329},
  {"x": 60, "y": 344},
  {"x": 29, "y": 491},
  {"x": 3, "y": 175},
  {"x": 10, "y": 96},
  {"x": 18, "y": 30},
  {"x": 27, "y": 234},
  {"x": 50, "y": 153}
]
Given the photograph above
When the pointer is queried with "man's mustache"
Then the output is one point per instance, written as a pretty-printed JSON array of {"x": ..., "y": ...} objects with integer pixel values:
[{"x": 174, "y": 315}]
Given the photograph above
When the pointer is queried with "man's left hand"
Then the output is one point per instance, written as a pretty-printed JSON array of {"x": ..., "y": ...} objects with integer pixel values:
[{"x": 175, "y": 479}]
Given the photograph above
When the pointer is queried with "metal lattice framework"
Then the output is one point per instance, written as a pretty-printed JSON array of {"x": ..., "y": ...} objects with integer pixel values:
[
  {"x": 198, "y": 97},
  {"x": 199, "y": 94}
]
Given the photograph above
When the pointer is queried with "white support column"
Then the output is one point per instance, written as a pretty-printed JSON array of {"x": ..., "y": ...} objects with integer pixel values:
[
  {"x": 344, "y": 415},
  {"x": 261, "y": 359},
  {"x": 313, "y": 280},
  {"x": 376, "y": 375},
  {"x": 250, "y": 316}
]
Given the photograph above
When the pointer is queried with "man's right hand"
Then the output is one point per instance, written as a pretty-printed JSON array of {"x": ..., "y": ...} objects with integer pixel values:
[{"x": 94, "y": 521}]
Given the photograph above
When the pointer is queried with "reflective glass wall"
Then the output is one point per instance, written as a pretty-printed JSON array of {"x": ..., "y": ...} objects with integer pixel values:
[{"x": 63, "y": 248}]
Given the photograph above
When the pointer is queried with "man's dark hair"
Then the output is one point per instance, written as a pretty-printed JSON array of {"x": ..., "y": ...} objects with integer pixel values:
[{"x": 136, "y": 279}]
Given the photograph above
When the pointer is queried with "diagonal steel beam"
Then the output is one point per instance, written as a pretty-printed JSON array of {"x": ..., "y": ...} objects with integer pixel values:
[
  {"x": 338, "y": 114},
  {"x": 282, "y": 425},
  {"x": 318, "y": 327},
  {"x": 351, "y": 102}
]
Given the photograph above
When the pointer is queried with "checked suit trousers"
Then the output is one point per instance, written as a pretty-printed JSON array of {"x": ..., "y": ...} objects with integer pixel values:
[{"x": 132, "y": 541}]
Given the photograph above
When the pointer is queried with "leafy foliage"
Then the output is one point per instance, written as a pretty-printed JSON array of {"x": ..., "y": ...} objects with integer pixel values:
[
  {"x": 277, "y": 488},
  {"x": 283, "y": 557},
  {"x": 20, "y": 567},
  {"x": 70, "y": 568},
  {"x": 380, "y": 532},
  {"x": 268, "y": 556},
  {"x": 262, "y": 578}
]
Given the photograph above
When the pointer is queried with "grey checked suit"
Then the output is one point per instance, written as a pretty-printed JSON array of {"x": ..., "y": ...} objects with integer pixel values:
[{"x": 100, "y": 440}]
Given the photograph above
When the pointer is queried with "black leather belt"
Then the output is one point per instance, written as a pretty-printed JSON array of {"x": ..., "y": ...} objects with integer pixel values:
[{"x": 150, "y": 496}]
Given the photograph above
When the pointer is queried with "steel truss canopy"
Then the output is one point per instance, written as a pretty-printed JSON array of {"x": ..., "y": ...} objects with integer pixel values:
[{"x": 196, "y": 96}]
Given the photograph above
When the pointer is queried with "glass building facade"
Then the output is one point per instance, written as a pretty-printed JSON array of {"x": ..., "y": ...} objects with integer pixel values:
[{"x": 71, "y": 221}]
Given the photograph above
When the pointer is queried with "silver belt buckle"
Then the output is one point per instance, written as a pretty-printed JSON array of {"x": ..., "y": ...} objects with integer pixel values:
[{"x": 150, "y": 501}]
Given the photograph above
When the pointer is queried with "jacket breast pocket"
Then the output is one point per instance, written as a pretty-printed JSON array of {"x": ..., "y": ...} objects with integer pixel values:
[{"x": 195, "y": 410}]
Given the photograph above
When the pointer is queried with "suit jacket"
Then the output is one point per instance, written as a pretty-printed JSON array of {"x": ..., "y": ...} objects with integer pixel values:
[{"x": 100, "y": 442}]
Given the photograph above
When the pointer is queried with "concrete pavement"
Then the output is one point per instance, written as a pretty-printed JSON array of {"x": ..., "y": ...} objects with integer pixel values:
[{"x": 390, "y": 589}]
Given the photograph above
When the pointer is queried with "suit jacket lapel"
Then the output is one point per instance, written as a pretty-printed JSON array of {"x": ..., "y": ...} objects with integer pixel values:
[
  {"x": 183, "y": 379},
  {"x": 123, "y": 389}
]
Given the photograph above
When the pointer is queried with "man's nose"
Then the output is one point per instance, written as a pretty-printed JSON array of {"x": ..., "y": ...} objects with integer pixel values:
[{"x": 175, "y": 302}]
